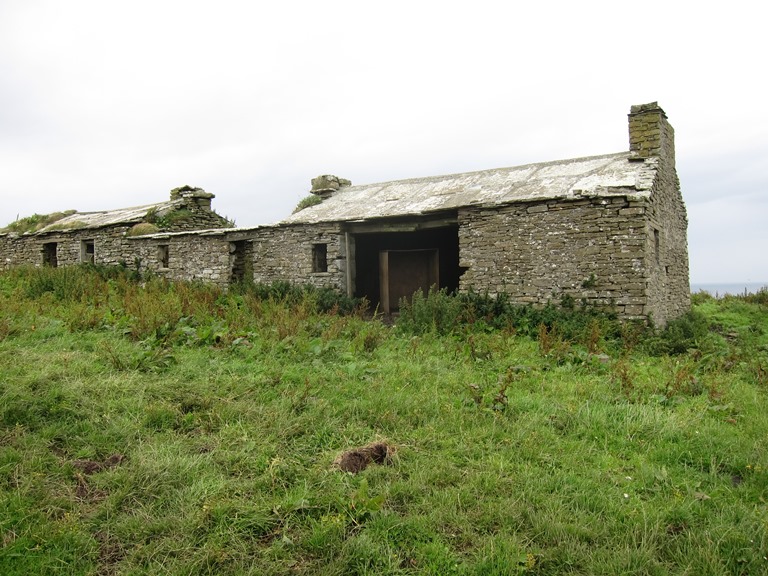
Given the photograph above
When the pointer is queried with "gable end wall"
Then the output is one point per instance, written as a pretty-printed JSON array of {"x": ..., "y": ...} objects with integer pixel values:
[{"x": 669, "y": 292}]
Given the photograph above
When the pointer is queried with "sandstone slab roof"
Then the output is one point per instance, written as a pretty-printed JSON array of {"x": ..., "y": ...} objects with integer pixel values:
[
  {"x": 100, "y": 219},
  {"x": 608, "y": 175}
]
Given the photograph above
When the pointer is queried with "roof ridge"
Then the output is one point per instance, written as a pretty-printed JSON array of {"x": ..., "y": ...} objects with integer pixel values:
[{"x": 488, "y": 170}]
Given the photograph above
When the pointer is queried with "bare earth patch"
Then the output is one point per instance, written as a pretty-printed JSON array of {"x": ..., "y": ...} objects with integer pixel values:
[
  {"x": 358, "y": 459},
  {"x": 84, "y": 491}
]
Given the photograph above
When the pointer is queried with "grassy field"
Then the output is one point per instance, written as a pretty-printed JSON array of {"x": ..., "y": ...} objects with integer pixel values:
[{"x": 148, "y": 428}]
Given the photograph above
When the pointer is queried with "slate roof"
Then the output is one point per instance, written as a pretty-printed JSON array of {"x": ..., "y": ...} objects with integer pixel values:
[{"x": 612, "y": 174}]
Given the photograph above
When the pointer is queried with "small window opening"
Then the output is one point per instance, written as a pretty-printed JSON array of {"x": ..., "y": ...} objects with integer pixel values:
[
  {"x": 87, "y": 251},
  {"x": 163, "y": 255},
  {"x": 49, "y": 254},
  {"x": 656, "y": 245},
  {"x": 320, "y": 258}
]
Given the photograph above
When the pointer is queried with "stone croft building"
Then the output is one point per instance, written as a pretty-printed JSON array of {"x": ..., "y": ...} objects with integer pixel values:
[{"x": 608, "y": 230}]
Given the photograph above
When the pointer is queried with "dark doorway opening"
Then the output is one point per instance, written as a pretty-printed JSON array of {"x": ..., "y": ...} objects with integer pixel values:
[
  {"x": 49, "y": 254},
  {"x": 241, "y": 252},
  {"x": 391, "y": 265}
]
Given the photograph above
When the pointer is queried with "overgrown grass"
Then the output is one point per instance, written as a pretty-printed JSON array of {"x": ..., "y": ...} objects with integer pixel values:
[
  {"x": 35, "y": 222},
  {"x": 172, "y": 428}
]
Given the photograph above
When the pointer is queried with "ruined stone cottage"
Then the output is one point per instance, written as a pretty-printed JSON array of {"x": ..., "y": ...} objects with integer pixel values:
[
  {"x": 607, "y": 230},
  {"x": 104, "y": 237}
]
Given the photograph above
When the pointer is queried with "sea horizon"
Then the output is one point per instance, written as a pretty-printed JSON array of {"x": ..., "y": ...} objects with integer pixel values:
[{"x": 723, "y": 288}]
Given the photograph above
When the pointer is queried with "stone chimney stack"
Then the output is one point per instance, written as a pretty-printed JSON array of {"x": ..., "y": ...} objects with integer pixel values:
[
  {"x": 193, "y": 196},
  {"x": 327, "y": 184},
  {"x": 650, "y": 134}
]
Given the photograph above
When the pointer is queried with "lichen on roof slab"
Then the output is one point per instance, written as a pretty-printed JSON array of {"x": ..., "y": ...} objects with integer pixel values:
[{"x": 596, "y": 175}]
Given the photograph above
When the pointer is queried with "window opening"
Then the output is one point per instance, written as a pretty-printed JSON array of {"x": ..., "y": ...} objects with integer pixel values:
[
  {"x": 87, "y": 251},
  {"x": 656, "y": 245}
]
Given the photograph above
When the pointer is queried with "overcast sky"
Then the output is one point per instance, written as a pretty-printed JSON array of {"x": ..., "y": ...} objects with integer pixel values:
[{"x": 108, "y": 104}]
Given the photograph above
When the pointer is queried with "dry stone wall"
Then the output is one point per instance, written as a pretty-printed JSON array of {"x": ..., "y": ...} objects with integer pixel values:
[
  {"x": 193, "y": 219},
  {"x": 652, "y": 140},
  {"x": 190, "y": 211},
  {"x": 590, "y": 249},
  {"x": 19, "y": 251},
  {"x": 191, "y": 257},
  {"x": 286, "y": 253},
  {"x": 278, "y": 253},
  {"x": 109, "y": 247},
  {"x": 667, "y": 272}
]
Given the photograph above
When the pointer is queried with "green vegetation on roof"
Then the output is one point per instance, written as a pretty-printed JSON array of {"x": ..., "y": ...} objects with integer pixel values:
[
  {"x": 164, "y": 220},
  {"x": 143, "y": 228},
  {"x": 35, "y": 222},
  {"x": 306, "y": 202}
]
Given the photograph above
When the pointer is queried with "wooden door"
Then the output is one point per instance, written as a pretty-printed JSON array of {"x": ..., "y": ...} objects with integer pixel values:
[{"x": 404, "y": 272}]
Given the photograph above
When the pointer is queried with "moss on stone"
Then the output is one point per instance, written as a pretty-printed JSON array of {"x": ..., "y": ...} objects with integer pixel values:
[{"x": 142, "y": 229}]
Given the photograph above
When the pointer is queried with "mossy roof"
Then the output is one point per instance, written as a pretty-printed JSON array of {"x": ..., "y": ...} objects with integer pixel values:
[{"x": 105, "y": 218}]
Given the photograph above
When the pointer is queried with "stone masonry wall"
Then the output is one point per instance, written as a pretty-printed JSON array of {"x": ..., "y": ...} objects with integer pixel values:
[
  {"x": 591, "y": 249},
  {"x": 110, "y": 247},
  {"x": 278, "y": 253},
  {"x": 194, "y": 205},
  {"x": 190, "y": 257},
  {"x": 285, "y": 253},
  {"x": 669, "y": 294},
  {"x": 19, "y": 251},
  {"x": 652, "y": 140},
  {"x": 196, "y": 218},
  {"x": 111, "y": 244},
  {"x": 624, "y": 251},
  {"x": 650, "y": 134}
]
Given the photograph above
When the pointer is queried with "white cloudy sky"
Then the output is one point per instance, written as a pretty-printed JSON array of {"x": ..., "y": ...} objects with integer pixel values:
[{"x": 107, "y": 104}]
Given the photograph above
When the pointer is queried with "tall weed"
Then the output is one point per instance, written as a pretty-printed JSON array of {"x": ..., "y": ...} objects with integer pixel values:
[
  {"x": 436, "y": 312},
  {"x": 442, "y": 313}
]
